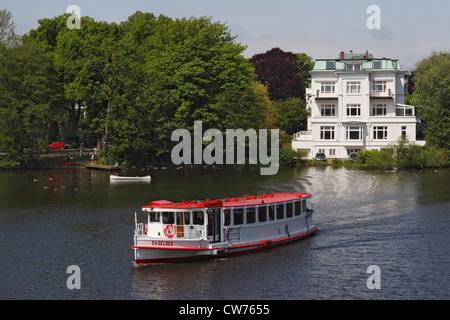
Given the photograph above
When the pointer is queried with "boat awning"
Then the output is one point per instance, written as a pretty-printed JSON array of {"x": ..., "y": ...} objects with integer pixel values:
[{"x": 271, "y": 198}]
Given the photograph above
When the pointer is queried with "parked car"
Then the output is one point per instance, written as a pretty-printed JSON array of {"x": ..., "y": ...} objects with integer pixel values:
[
  {"x": 56, "y": 145},
  {"x": 353, "y": 157},
  {"x": 320, "y": 157}
]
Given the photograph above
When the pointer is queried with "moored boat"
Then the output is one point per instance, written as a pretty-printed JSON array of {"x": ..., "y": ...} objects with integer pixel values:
[
  {"x": 174, "y": 232},
  {"x": 123, "y": 178}
]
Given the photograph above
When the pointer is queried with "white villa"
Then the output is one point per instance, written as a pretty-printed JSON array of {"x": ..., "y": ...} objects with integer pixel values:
[{"x": 356, "y": 103}]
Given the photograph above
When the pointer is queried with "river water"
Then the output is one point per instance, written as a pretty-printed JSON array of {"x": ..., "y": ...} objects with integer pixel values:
[{"x": 398, "y": 221}]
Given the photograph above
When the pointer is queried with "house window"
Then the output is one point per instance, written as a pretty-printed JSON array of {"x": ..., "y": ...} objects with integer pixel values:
[
  {"x": 404, "y": 132},
  {"x": 380, "y": 133},
  {"x": 354, "y": 110},
  {"x": 394, "y": 64},
  {"x": 354, "y": 133},
  {"x": 353, "y": 87},
  {"x": 328, "y": 110},
  {"x": 353, "y": 66},
  {"x": 378, "y": 109},
  {"x": 327, "y": 87},
  {"x": 401, "y": 111},
  {"x": 326, "y": 133},
  {"x": 332, "y": 152},
  {"x": 379, "y": 86},
  {"x": 322, "y": 151},
  {"x": 377, "y": 64},
  {"x": 331, "y": 65}
]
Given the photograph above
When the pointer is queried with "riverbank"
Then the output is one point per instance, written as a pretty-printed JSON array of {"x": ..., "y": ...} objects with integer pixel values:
[{"x": 398, "y": 157}]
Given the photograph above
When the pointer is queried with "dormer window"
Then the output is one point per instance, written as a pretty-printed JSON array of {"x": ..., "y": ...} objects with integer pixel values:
[
  {"x": 331, "y": 65},
  {"x": 353, "y": 67},
  {"x": 377, "y": 64}
]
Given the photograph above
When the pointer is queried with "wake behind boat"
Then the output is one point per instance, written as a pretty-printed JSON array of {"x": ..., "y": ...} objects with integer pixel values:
[
  {"x": 183, "y": 231},
  {"x": 123, "y": 178}
]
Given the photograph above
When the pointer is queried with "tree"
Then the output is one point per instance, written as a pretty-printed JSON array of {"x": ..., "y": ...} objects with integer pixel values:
[
  {"x": 305, "y": 64},
  {"x": 8, "y": 37},
  {"x": 432, "y": 98},
  {"x": 290, "y": 115},
  {"x": 26, "y": 88},
  {"x": 180, "y": 71},
  {"x": 278, "y": 71}
]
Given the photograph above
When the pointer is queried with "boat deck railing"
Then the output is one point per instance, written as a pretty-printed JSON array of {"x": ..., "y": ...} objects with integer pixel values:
[{"x": 188, "y": 232}]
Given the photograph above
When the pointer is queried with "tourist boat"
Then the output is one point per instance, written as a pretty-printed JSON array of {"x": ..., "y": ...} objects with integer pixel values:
[
  {"x": 174, "y": 232},
  {"x": 123, "y": 178}
]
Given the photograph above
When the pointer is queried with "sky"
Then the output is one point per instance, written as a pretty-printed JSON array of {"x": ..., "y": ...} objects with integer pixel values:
[{"x": 410, "y": 30}]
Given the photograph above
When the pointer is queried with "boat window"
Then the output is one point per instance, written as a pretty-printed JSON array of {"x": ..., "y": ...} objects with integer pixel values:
[
  {"x": 199, "y": 218},
  {"x": 238, "y": 216},
  {"x": 297, "y": 208},
  {"x": 155, "y": 217},
  {"x": 168, "y": 218},
  {"x": 271, "y": 213},
  {"x": 251, "y": 215},
  {"x": 289, "y": 210},
  {"x": 280, "y": 211},
  {"x": 227, "y": 217},
  {"x": 303, "y": 206},
  {"x": 187, "y": 218},
  {"x": 262, "y": 214}
]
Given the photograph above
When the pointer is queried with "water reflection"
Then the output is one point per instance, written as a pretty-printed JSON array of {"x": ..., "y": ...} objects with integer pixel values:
[{"x": 398, "y": 220}]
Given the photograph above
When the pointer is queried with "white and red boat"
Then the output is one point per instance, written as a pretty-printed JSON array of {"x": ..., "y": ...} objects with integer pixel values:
[{"x": 174, "y": 232}]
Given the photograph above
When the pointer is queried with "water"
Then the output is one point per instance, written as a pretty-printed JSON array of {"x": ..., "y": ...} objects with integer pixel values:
[{"x": 398, "y": 221}]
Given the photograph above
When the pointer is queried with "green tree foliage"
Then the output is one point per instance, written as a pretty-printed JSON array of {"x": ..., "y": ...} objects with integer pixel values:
[
  {"x": 141, "y": 79},
  {"x": 404, "y": 155},
  {"x": 26, "y": 88},
  {"x": 432, "y": 98},
  {"x": 8, "y": 37},
  {"x": 305, "y": 64},
  {"x": 290, "y": 115}
]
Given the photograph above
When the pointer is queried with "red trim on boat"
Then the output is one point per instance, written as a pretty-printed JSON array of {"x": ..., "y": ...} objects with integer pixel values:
[{"x": 255, "y": 247}]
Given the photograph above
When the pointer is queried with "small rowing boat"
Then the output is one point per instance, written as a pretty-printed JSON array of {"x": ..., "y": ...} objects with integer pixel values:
[
  {"x": 123, "y": 178},
  {"x": 183, "y": 231}
]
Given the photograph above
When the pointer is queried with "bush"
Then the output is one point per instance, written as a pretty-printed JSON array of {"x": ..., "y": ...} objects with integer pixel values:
[
  {"x": 403, "y": 155},
  {"x": 336, "y": 161}
]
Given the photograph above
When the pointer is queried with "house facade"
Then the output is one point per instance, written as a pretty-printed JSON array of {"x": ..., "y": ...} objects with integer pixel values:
[{"x": 356, "y": 103}]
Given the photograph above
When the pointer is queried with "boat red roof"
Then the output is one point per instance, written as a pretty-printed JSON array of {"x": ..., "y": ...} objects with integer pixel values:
[{"x": 270, "y": 198}]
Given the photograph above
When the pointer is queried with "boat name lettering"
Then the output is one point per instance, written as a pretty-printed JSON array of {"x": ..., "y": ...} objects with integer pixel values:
[{"x": 162, "y": 243}]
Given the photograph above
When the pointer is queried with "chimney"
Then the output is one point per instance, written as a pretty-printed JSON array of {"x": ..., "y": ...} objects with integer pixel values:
[
  {"x": 342, "y": 55},
  {"x": 367, "y": 54}
]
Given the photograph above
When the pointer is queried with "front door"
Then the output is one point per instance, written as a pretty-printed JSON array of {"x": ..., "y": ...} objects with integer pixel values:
[{"x": 214, "y": 225}]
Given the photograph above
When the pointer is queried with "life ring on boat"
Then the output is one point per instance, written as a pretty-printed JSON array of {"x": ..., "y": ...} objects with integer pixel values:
[
  {"x": 169, "y": 231},
  {"x": 146, "y": 229}
]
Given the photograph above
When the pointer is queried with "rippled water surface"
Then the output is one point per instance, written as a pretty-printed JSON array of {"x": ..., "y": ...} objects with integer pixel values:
[{"x": 398, "y": 221}]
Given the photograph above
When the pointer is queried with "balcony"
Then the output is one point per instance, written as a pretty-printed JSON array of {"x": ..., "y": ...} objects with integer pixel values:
[
  {"x": 325, "y": 96},
  {"x": 381, "y": 94},
  {"x": 303, "y": 136}
]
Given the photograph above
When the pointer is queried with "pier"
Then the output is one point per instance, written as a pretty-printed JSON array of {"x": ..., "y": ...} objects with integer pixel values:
[{"x": 102, "y": 167}]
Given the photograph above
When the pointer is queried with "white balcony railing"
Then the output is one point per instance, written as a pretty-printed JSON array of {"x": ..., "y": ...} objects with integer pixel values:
[{"x": 303, "y": 136}]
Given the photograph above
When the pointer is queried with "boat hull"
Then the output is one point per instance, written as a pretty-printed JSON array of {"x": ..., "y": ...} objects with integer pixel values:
[
  {"x": 144, "y": 255},
  {"x": 123, "y": 178}
]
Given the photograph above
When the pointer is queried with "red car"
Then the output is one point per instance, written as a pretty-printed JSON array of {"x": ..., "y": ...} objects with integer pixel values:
[{"x": 56, "y": 145}]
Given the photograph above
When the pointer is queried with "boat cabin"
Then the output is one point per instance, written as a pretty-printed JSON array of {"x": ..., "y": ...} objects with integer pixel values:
[{"x": 234, "y": 220}]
